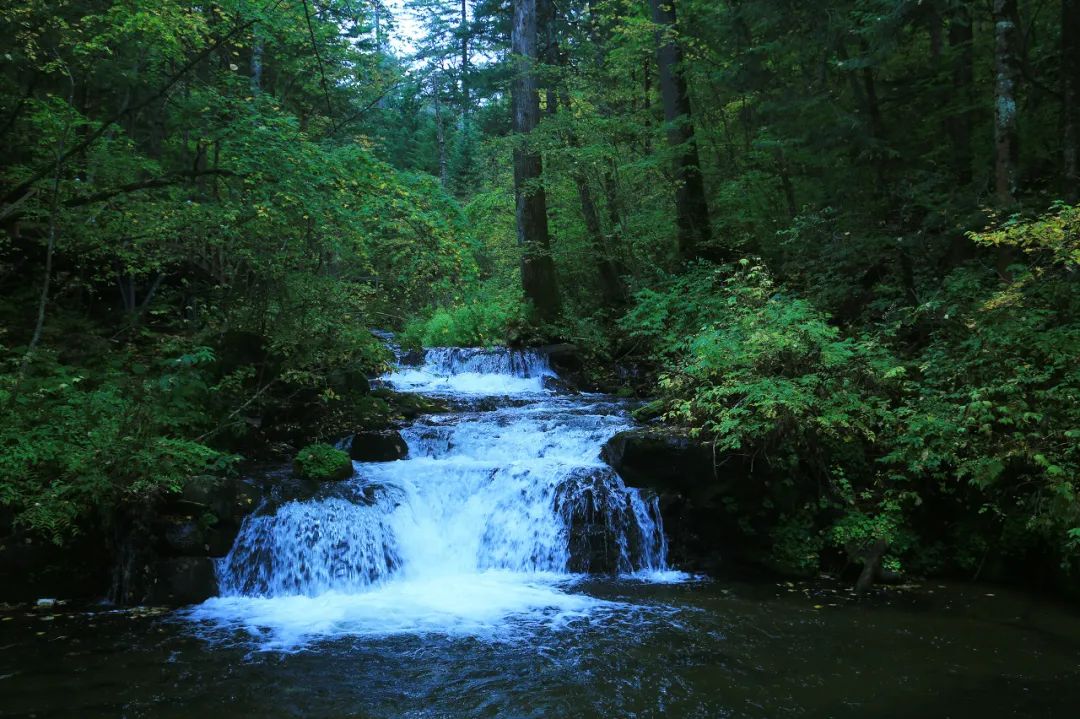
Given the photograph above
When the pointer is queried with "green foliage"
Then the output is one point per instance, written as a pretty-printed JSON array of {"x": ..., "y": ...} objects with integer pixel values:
[
  {"x": 994, "y": 408},
  {"x": 796, "y": 544},
  {"x": 487, "y": 318},
  {"x": 197, "y": 177},
  {"x": 751, "y": 367},
  {"x": 322, "y": 462},
  {"x": 75, "y": 445}
]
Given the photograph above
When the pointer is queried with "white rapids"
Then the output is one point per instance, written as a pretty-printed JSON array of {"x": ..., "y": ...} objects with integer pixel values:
[{"x": 500, "y": 509}]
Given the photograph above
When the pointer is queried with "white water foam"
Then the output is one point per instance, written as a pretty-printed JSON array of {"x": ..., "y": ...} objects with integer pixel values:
[{"x": 483, "y": 530}]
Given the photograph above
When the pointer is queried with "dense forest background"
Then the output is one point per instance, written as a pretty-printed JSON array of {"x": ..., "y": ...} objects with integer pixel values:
[{"x": 837, "y": 237}]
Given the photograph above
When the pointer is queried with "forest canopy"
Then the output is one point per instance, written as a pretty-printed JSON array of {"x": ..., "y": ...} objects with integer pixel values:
[{"x": 841, "y": 236}]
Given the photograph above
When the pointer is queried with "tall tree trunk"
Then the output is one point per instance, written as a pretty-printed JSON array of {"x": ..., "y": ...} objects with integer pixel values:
[
  {"x": 959, "y": 123},
  {"x": 440, "y": 135},
  {"x": 611, "y": 288},
  {"x": 537, "y": 267},
  {"x": 548, "y": 52},
  {"x": 256, "y": 62},
  {"x": 465, "y": 103},
  {"x": 691, "y": 209},
  {"x": 50, "y": 248},
  {"x": 1006, "y": 65},
  {"x": 783, "y": 171},
  {"x": 1070, "y": 74}
]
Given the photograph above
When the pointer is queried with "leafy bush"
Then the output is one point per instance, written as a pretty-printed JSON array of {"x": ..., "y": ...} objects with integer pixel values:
[
  {"x": 993, "y": 414},
  {"x": 489, "y": 317},
  {"x": 73, "y": 446},
  {"x": 749, "y": 367},
  {"x": 322, "y": 462},
  {"x": 980, "y": 423}
]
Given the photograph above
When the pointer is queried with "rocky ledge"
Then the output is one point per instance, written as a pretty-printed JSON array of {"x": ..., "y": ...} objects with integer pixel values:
[{"x": 704, "y": 495}]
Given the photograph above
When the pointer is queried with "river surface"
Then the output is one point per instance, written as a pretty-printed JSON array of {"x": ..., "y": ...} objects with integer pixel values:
[{"x": 502, "y": 570}]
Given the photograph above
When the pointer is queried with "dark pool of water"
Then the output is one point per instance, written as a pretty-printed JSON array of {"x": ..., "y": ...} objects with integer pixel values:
[{"x": 705, "y": 649}]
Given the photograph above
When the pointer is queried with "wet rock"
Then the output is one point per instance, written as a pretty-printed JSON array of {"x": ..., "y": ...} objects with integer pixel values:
[
  {"x": 349, "y": 382},
  {"x": 711, "y": 506},
  {"x": 563, "y": 357},
  {"x": 559, "y": 386},
  {"x": 410, "y": 406},
  {"x": 660, "y": 459},
  {"x": 216, "y": 495},
  {"x": 603, "y": 531},
  {"x": 184, "y": 580},
  {"x": 378, "y": 446},
  {"x": 184, "y": 536},
  {"x": 412, "y": 358}
]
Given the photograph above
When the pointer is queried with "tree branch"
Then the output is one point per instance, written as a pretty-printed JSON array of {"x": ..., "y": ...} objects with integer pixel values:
[
  {"x": 130, "y": 110},
  {"x": 151, "y": 184},
  {"x": 322, "y": 72}
]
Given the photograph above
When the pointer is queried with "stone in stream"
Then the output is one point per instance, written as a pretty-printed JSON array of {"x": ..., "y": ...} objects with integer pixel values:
[
  {"x": 604, "y": 533},
  {"x": 184, "y": 580},
  {"x": 378, "y": 446},
  {"x": 660, "y": 459},
  {"x": 321, "y": 462},
  {"x": 559, "y": 386},
  {"x": 412, "y": 358},
  {"x": 190, "y": 536},
  {"x": 709, "y": 503},
  {"x": 184, "y": 536},
  {"x": 563, "y": 357}
]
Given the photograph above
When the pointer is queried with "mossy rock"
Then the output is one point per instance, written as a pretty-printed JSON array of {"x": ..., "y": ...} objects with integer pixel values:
[
  {"x": 322, "y": 462},
  {"x": 409, "y": 406},
  {"x": 649, "y": 411}
]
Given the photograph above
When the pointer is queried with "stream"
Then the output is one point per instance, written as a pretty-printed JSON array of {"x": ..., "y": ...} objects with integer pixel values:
[{"x": 503, "y": 570}]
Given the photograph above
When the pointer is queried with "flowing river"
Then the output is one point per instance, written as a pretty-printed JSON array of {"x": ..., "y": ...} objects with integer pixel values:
[{"x": 503, "y": 570}]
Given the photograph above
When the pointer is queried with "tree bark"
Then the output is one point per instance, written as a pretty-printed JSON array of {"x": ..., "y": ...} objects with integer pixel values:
[
  {"x": 537, "y": 268},
  {"x": 611, "y": 288},
  {"x": 440, "y": 135},
  {"x": 1070, "y": 74},
  {"x": 1006, "y": 65},
  {"x": 256, "y": 62},
  {"x": 783, "y": 171},
  {"x": 959, "y": 123},
  {"x": 464, "y": 60},
  {"x": 691, "y": 208}
]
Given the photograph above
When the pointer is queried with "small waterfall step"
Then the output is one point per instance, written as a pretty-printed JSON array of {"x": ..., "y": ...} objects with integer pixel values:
[{"x": 511, "y": 496}]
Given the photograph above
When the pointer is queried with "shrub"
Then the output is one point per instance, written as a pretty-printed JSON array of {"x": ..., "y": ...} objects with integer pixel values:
[{"x": 322, "y": 462}]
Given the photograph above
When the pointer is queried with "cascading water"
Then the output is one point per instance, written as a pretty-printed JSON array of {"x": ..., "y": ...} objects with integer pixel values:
[{"x": 489, "y": 522}]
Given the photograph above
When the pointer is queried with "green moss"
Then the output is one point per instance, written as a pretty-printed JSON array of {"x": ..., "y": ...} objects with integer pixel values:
[{"x": 322, "y": 462}]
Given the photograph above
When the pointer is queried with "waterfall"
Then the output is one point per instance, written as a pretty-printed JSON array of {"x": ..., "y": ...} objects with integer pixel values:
[{"x": 498, "y": 510}]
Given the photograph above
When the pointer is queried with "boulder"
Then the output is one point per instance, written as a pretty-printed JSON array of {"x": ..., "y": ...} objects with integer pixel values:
[
  {"x": 378, "y": 446},
  {"x": 184, "y": 580},
  {"x": 184, "y": 537},
  {"x": 599, "y": 521},
  {"x": 216, "y": 495},
  {"x": 412, "y": 358},
  {"x": 710, "y": 506},
  {"x": 409, "y": 406},
  {"x": 559, "y": 386},
  {"x": 563, "y": 357},
  {"x": 197, "y": 536},
  {"x": 321, "y": 462},
  {"x": 661, "y": 459},
  {"x": 349, "y": 382}
]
